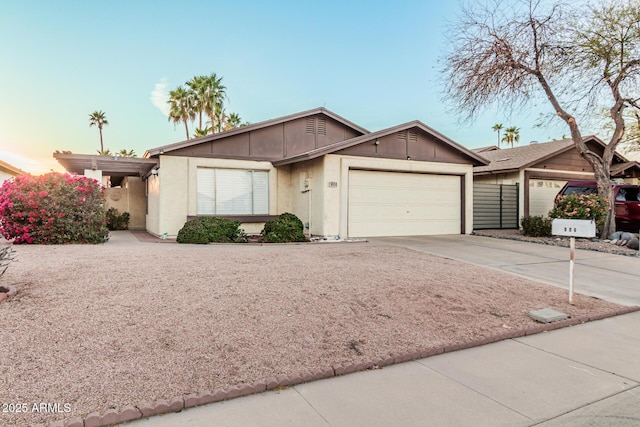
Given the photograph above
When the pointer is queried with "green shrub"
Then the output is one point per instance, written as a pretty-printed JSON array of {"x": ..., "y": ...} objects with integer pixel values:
[
  {"x": 53, "y": 208},
  {"x": 286, "y": 228},
  {"x": 581, "y": 206},
  {"x": 211, "y": 229},
  {"x": 536, "y": 226},
  {"x": 116, "y": 220}
]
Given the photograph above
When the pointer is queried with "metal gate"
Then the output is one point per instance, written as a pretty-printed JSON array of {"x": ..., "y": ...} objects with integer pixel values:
[{"x": 495, "y": 206}]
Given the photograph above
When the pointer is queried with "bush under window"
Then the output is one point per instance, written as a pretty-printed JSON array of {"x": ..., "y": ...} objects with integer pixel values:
[
  {"x": 286, "y": 228},
  {"x": 211, "y": 229}
]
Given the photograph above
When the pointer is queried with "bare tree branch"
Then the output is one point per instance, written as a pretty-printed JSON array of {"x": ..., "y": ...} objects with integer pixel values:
[{"x": 579, "y": 58}]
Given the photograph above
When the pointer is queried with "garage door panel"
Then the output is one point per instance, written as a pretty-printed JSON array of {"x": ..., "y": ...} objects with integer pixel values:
[{"x": 401, "y": 204}]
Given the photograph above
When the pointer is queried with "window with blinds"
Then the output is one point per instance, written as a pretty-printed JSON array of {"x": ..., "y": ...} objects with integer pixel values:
[{"x": 232, "y": 192}]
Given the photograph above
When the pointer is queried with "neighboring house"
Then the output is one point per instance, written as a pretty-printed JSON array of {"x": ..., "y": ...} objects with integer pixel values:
[
  {"x": 540, "y": 170},
  {"x": 338, "y": 178},
  {"x": 9, "y": 171}
]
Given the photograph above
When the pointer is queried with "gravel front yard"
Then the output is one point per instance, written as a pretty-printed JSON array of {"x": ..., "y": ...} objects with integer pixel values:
[{"x": 104, "y": 326}]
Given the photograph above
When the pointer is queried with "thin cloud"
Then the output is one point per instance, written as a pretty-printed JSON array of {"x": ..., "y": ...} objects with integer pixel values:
[{"x": 160, "y": 96}]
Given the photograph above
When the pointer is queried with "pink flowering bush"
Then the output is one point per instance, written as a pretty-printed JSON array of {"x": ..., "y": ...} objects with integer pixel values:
[
  {"x": 53, "y": 208},
  {"x": 581, "y": 206}
]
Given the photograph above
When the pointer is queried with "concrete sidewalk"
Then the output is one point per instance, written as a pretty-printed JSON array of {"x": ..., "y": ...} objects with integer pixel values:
[{"x": 581, "y": 375}]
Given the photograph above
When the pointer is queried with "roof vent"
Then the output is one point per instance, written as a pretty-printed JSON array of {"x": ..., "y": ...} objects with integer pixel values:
[
  {"x": 310, "y": 125},
  {"x": 533, "y": 142},
  {"x": 503, "y": 160},
  {"x": 322, "y": 126}
]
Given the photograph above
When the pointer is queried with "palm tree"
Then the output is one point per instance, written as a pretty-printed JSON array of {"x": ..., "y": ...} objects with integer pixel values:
[
  {"x": 497, "y": 128},
  {"x": 516, "y": 135},
  {"x": 97, "y": 118},
  {"x": 216, "y": 93},
  {"x": 233, "y": 121},
  {"x": 220, "y": 117},
  {"x": 106, "y": 152},
  {"x": 202, "y": 132},
  {"x": 181, "y": 107},
  {"x": 199, "y": 90},
  {"x": 511, "y": 135},
  {"x": 125, "y": 153}
]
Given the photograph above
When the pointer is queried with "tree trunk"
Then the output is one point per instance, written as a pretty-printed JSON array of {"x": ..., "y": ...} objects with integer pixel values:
[
  {"x": 600, "y": 164},
  {"x": 101, "y": 145},
  {"x": 186, "y": 129},
  {"x": 602, "y": 174}
]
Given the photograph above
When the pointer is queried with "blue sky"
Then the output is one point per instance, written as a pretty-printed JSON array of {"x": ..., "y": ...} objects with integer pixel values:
[{"x": 374, "y": 63}]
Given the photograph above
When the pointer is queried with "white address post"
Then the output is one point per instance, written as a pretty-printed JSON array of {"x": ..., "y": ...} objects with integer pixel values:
[{"x": 573, "y": 228}]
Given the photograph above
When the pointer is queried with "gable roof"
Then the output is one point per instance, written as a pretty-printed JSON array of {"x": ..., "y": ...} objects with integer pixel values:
[
  {"x": 622, "y": 168},
  {"x": 215, "y": 136},
  {"x": 11, "y": 169},
  {"x": 517, "y": 158},
  {"x": 332, "y": 148}
]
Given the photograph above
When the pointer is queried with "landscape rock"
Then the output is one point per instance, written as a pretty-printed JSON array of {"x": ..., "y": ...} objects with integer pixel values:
[
  {"x": 626, "y": 236},
  {"x": 615, "y": 236},
  {"x": 633, "y": 243}
]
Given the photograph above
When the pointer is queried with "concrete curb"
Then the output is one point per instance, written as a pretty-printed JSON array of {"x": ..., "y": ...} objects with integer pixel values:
[{"x": 178, "y": 403}]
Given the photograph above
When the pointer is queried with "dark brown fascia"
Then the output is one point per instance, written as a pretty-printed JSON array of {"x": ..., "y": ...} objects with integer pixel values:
[
  {"x": 309, "y": 155},
  {"x": 191, "y": 142}
]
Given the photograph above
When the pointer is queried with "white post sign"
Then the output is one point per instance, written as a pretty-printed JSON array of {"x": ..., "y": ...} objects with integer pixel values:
[{"x": 573, "y": 228}]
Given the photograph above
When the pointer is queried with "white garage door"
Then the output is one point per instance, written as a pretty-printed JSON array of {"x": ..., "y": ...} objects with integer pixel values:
[
  {"x": 403, "y": 204},
  {"x": 542, "y": 193}
]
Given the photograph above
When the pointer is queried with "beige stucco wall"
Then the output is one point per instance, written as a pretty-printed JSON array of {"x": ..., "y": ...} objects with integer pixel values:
[
  {"x": 501, "y": 178},
  {"x": 152, "y": 222},
  {"x": 129, "y": 197},
  {"x": 173, "y": 193},
  {"x": 4, "y": 176},
  {"x": 307, "y": 204}
]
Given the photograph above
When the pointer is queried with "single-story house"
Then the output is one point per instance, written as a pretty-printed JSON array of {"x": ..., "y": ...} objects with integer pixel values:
[
  {"x": 540, "y": 170},
  {"x": 8, "y": 171},
  {"x": 337, "y": 177}
]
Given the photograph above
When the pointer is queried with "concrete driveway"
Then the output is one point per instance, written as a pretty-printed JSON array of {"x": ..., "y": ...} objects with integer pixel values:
[{"x": 614, "y": 278}]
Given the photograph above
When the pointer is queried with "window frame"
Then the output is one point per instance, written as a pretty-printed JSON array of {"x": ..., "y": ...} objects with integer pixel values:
[{"x": 220, "y": 182}]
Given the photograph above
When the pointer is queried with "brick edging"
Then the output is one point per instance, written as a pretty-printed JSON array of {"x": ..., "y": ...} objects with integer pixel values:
[{"x": 178, "y": 403}]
